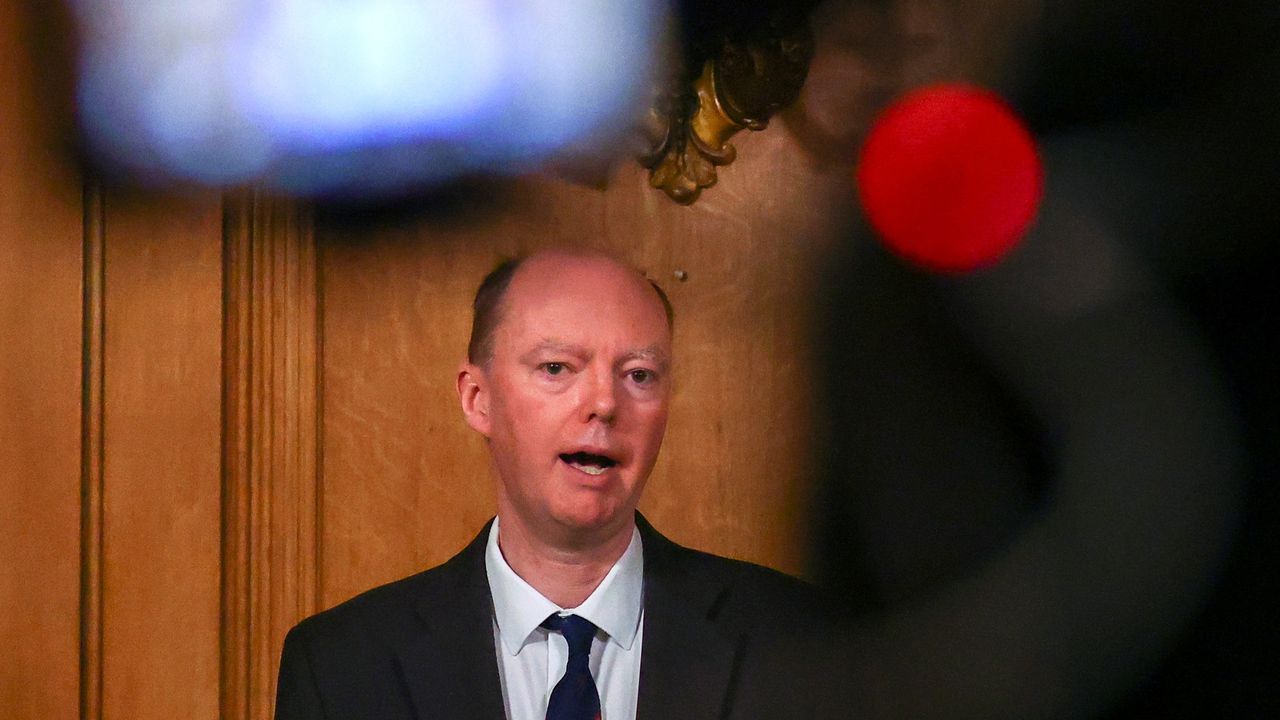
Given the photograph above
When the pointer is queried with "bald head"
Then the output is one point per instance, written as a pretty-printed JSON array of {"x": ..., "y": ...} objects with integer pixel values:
[{"x": 489, "y": 306}]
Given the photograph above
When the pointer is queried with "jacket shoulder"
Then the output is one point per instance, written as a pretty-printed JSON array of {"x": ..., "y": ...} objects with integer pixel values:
[
  {"x": 347, "y": 661},
  {"x": 372, "y": 611},
  {"x": 382, "y": 615}
]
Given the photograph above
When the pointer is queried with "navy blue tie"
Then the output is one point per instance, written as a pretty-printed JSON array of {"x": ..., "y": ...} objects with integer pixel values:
[{"x": 575, "y": 696}]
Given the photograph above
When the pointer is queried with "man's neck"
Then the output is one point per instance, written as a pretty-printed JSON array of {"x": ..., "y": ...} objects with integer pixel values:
[{"x": 564, "y": 575}]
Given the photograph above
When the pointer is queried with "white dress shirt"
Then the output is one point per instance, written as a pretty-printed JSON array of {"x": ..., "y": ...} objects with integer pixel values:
[{"x": 532, "y": 660}]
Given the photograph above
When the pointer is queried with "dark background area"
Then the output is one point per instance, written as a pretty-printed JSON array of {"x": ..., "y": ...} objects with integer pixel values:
[{"x": 1161, "y": 123}]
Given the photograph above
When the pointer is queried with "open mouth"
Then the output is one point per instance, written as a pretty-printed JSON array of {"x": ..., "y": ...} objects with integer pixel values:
[{"x": 588, "y": 463}]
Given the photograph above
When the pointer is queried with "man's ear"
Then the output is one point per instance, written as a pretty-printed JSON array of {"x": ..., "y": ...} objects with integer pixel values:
[{"x": 473, "y": 394}]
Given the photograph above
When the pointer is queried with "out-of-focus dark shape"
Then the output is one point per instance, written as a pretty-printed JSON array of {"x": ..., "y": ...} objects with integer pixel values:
[
  {"x": 1052, "y": 485},
  {"x": 742, "y": 63},
  {"x": 358, "y": 98},
  {"x": 866, "y": 52},
  {"x": 1060, "y": 566},
  {"x": 950, "y": 177},
  {"x": 1096, "y": 62}
]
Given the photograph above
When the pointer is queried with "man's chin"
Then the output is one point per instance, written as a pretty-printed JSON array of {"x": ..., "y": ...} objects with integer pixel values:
[{"x": 589, "y": 526}]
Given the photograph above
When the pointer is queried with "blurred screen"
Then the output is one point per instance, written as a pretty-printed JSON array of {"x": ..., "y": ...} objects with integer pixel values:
[{"x": 318, "y": 96}]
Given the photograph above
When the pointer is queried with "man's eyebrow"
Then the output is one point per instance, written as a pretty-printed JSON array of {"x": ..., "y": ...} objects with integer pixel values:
[
  {"x": 551, "y": 345},
  {"x": 650, "y": 353}
]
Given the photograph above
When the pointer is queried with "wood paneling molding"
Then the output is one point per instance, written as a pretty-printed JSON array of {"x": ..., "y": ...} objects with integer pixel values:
[
  {"x": 91, "y": 455},
  {"x": 270, "y": 442}
]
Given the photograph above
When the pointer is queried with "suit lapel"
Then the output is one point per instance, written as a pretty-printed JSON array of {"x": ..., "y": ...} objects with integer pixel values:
[
  {"x": 451, "y": 670},
  {"x": 687, "y": 663}
]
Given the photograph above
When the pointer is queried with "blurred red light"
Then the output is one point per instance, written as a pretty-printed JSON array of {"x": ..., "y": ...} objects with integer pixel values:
[{"x": 950, "y": 178}]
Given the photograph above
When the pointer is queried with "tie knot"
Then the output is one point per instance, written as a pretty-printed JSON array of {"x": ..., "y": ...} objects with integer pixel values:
[{"x": 577, "y": 631}]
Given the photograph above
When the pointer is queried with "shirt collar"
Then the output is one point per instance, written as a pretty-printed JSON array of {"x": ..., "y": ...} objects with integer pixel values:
[{"x": 614, "y": 606}]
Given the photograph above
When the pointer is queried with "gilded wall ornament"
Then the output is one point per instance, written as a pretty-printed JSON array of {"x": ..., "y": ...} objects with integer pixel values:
[{"x": 747, "y": 79}]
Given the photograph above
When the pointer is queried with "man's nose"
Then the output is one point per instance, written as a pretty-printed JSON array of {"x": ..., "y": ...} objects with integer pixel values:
[{"x": 601, "y": 402}]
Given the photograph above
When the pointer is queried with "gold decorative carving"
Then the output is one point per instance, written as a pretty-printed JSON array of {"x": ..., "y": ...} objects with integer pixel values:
[
  {"x": 742, "y": 86},
  {"x": 271, "y": 450}
]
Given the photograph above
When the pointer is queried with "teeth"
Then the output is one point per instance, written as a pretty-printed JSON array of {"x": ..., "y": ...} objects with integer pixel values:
[{"x": 588, "y": 463}]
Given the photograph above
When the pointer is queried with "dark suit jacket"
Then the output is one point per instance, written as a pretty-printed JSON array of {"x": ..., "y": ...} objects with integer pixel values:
[{"x": 722, "y": 639}]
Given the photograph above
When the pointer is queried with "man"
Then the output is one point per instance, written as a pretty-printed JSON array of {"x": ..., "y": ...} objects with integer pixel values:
[{"x": 568, "y": 606}]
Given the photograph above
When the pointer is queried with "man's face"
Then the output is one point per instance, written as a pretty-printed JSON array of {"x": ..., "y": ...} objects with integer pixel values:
[{"x": 574, "y": 400}]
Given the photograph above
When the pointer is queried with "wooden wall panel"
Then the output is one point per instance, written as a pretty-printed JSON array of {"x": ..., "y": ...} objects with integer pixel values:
[
  {"x": 40, "y": 354},
  {"x": 406, "y": 481},
  {"x": 162, "y": 463},
  {"x": 270, "y": 452},
  {"x": 402, "y": 486}
]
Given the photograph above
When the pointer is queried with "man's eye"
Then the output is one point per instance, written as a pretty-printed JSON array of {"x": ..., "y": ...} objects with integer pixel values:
[
  {"x": 553, "y": 368},
  {"x": 642, "y": 377}
]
